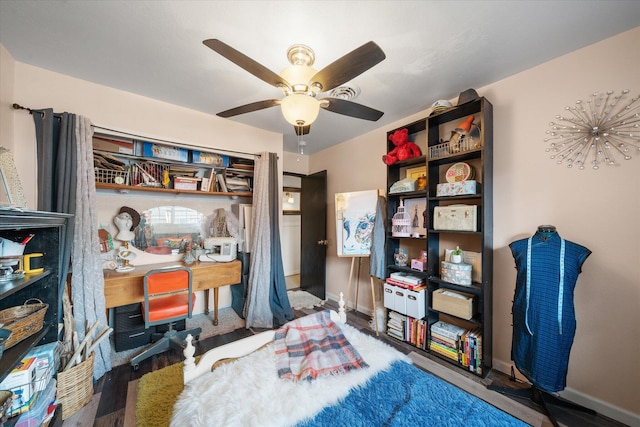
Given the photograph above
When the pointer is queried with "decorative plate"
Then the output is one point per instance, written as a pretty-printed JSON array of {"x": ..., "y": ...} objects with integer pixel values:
[{"x": 459, "y": 172}]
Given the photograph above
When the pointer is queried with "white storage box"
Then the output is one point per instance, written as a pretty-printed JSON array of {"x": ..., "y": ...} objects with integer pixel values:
[
  {"x": 455, "y": 218},
  {"x": 185, "y": 183},
  {"x": 400, "y": 299},
  {"x": 416, "y": 303},
  {"x": 389, "y": 302},
  {"x": 459, "y": 304},
  {"x": 22, "y": 382},
  {"x": 405, "y": 301}
]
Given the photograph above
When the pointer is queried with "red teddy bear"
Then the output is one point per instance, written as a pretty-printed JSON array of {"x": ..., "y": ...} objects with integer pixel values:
[{"x": 404, "y": 149}]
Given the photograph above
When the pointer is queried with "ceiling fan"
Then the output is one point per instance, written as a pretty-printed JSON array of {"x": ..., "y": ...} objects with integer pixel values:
[{"x": 301, "y": 84}]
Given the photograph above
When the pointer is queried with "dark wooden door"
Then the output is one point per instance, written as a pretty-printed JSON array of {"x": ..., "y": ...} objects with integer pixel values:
[{"x": 313, "y": 233}]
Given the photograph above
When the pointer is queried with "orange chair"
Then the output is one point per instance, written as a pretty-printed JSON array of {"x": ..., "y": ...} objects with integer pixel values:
[{"x": 168, "y": 298}]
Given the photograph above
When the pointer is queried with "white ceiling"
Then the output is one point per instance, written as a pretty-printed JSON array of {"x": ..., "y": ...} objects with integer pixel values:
[{"x": 434, "y": 49}]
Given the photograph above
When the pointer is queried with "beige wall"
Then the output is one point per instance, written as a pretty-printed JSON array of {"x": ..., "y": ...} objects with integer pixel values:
[
  {"x": 598, "y": 209},
  {"x": 38, "y": 88}
]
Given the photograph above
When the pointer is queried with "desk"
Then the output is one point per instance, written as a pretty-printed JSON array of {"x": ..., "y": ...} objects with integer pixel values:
[{"x": 128, "y": 288}]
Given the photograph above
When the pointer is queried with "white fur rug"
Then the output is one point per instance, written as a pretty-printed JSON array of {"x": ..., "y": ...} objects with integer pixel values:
[{"x": 248, "y": 391}]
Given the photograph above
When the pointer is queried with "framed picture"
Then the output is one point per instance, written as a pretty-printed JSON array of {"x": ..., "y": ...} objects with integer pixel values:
[
  {"x": 417, "y": 172},
  {"x": 10, "y": 180},
  {"x": 355, "y": 216},
  {"x": 417, "y": 210}
]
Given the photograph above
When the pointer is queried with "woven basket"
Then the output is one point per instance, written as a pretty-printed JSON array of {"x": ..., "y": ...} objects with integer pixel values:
[
  {"x": 23, "y": 320},
  {"x": 75, "y": 387}
]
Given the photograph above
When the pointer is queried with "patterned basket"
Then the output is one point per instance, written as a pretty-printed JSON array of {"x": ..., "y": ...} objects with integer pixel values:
[
  {"x": 23, "y": 320},
  {"x": 75, "y": 387}
]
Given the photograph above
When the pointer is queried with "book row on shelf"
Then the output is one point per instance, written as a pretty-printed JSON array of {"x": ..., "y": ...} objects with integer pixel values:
[
  {"x": 462, "y": 346},
  {"x": 407, "y": 328}
]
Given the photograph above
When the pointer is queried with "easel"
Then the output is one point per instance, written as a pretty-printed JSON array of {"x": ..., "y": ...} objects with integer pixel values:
[
  {"x": 373, "y": 290},
  {"x": 359, "y": 201}
]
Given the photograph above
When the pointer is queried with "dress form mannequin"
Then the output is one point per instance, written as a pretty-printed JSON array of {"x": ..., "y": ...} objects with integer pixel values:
[
  {"x": 124, "y": 222},
  {"x": 543, "y": 314}
]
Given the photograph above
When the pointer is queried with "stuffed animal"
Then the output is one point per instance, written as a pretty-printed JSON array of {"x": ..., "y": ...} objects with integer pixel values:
[{"x": 404, "y": 149}]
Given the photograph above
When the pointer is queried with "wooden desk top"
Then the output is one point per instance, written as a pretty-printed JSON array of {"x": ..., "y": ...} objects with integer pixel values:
[{"x": 127, "y": 288}]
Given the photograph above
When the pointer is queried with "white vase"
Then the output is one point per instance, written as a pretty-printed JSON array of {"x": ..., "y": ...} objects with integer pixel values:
[{"x": 456, "y": 259}]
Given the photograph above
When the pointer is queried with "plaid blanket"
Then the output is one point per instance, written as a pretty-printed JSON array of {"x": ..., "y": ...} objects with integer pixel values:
[{"x": 314, "y": 346}]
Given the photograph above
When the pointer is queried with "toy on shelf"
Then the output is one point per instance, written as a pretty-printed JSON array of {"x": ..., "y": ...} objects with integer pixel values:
[{"x": 404, "y": 149}]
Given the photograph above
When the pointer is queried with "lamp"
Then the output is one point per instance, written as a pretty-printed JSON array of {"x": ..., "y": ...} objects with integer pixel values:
[
  {"x": 300, "y": 109},
  {"x": 299, "y": 106},
  {"x": 125, "y": 256}
]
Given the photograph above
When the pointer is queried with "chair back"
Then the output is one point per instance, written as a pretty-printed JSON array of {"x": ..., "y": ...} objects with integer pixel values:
[{"x": 168, "y": 295}]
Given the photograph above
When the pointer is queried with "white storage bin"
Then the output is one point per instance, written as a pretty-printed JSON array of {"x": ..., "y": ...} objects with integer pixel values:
[
  {"x": 389, "y": 301},
  {"x": 405, "y": 301},
  {"x": 400, "y": 299},
  {"x": 416, "y": 303}
]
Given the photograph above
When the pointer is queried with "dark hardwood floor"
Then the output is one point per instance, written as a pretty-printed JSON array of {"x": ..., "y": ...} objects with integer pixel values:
[{"x": 113, "y": 387}]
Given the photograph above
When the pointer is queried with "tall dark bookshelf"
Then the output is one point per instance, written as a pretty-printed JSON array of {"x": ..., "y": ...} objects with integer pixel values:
[{"x": 431, "y": 133}]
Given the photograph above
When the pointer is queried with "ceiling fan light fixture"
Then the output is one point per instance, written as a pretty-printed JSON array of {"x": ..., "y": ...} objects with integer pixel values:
[
  {"x": 298, "y": 77},
  {"x": 300, "y": 109}
]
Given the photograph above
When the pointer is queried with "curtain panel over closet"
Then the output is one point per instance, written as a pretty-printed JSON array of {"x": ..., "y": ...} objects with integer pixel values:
[
  {"x": 267, "y": 304},
  {"x": 66, "y": 184}
]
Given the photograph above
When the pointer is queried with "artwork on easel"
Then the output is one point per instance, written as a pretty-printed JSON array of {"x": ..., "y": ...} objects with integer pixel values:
[{"x": 355, "y": 216}]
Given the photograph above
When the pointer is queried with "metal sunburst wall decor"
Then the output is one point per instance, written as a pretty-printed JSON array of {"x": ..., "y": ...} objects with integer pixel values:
[{"x": 596, "y": 131}]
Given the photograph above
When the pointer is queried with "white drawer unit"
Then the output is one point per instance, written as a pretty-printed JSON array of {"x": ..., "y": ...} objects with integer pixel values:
[{"x": 404, "y": 301}]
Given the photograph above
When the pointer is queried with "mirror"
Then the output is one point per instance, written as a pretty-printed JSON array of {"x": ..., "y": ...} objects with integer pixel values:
[
  {"x": 291, "y": 201},
  {"x": 167, "y": 229}
]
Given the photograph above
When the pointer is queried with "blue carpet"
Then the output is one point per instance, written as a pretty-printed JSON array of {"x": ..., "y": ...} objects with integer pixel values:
[{"x": 407, "y": 396}]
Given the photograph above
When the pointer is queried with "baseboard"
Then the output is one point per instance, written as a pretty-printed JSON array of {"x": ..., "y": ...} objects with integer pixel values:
[
  {"x": 361, "y": 309},
  {"x": 601, "y": 407}
]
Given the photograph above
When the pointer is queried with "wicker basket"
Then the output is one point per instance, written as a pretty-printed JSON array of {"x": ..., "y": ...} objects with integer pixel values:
[
  {"x": 23, "y": 320},
  {"x": 75, "y": 387}
]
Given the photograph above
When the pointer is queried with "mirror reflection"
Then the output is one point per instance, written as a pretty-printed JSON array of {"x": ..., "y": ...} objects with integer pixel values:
[{"x": 167, "y": 229}]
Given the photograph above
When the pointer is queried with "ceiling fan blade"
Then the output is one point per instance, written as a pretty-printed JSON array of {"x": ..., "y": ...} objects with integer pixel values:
[
  {"x": 302, "y": 130},
  {"x": 348, "y": 108},
  {"x": 349, "y": 66},
  {"x": 243, "y": 61},
  {"x": 248, "y": 108}
]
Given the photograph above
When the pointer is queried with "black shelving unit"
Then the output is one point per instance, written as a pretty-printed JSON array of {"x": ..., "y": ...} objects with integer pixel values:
[
  {"x": 48, "y": 228},
  {"x": 436, "y": 130}
]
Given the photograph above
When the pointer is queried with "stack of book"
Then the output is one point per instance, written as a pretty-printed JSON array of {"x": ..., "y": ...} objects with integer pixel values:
[
  {"x": 405, "y": 280},
  {"x": 408, "y": 329},
  {"x": 444, "y": 339},
  {"x": 395, "y": 325},
  {"x": 458, "y": 344}
]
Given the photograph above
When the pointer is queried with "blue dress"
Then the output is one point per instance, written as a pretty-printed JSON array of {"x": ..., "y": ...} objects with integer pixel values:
[{"x": 544, "y": 321}]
